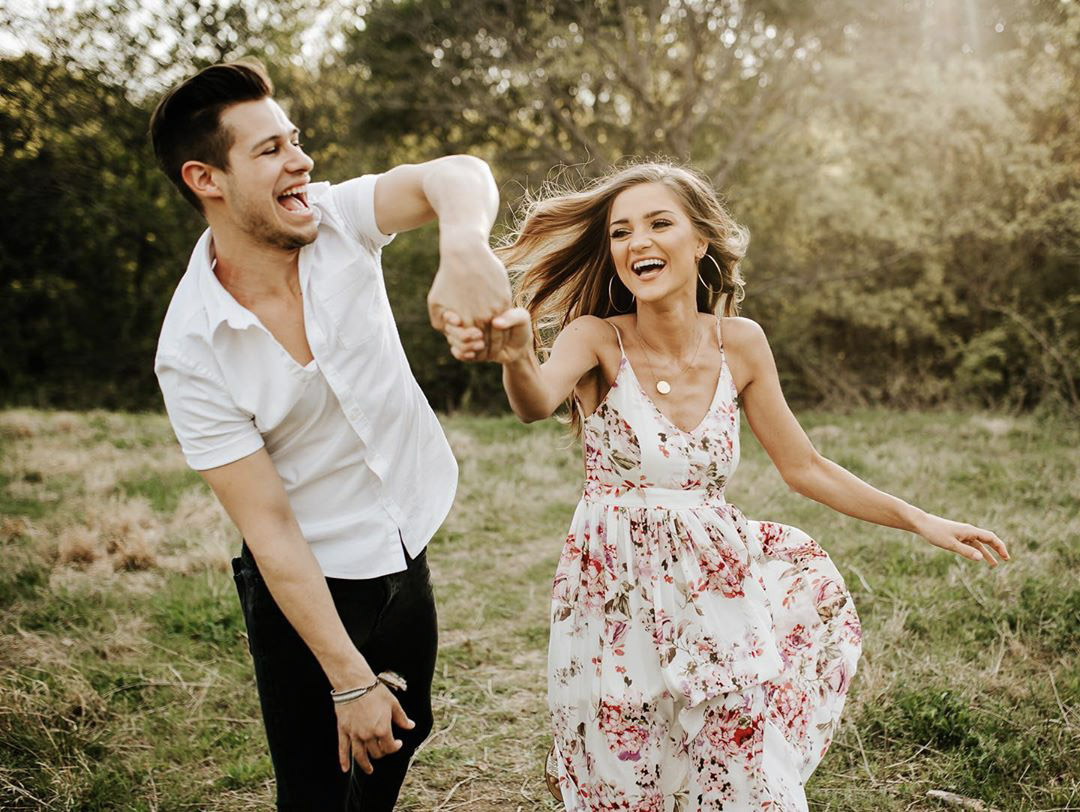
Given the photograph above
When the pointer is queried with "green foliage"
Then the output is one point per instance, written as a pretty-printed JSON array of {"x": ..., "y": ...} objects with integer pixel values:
[
  {"x": 90, "y": 236},
  {"x": 910, "y": 172}
]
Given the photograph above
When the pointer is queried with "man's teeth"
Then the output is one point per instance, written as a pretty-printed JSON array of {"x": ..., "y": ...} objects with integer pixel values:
[{"x": 294, "y": 199}]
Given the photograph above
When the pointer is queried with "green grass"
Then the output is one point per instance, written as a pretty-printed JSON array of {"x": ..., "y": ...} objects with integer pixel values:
[
  {"x": 161, "y": 490},
  {"x": 127, "y": 686}
]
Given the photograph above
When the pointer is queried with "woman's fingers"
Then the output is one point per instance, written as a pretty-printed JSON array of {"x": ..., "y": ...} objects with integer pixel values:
[
  {"x": 987, "y": 556},
  {"x": 399, "y": 717},
  {"x": 466, "y": 342},
  {"x": 464, "y": 335},
  {"x": 462, "y": 355},
  {"x": 991, "y": 547},
  {"x": 968, "y": 541},
  {"x": 511, "y": 318},
  {"x": 988, "y": 537},
  {"x": 967, "y": 551},
  {"x": 384, "y": 746}
]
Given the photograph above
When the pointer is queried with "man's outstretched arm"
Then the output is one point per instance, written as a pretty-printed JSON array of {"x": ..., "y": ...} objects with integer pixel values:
[{"x": 460, "y": 192}]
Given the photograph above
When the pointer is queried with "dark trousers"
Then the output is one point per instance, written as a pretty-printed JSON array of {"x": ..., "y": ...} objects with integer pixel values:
[{"x": 391, "y": 620}]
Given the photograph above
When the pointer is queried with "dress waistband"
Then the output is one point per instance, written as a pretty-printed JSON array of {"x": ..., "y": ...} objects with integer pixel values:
[{"x": 659, "y": 498}]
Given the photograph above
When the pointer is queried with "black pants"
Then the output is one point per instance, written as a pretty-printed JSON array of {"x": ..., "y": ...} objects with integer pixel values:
[{"x": 391, "y": 620}]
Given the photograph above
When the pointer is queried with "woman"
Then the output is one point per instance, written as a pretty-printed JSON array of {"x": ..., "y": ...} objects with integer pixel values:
[{"x": 698, "y": 660}]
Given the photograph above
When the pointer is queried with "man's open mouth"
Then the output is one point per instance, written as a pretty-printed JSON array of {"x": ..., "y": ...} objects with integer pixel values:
[{"x": 294, "y": 198}]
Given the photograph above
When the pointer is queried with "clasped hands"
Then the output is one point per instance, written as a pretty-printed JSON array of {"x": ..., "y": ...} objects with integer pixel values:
[{"x": 469, "y": 302}]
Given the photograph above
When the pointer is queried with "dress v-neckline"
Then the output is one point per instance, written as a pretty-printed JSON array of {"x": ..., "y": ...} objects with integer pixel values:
[
  {"x": 625, "y": 360},
  {"x": 624, "y": 363},
  {"x": 712, "y": 403}
]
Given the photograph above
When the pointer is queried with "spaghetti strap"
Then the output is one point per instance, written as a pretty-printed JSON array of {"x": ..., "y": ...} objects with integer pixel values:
[
  {"x": 618, "y": 337},
  {"x": 720, "y": 335}
]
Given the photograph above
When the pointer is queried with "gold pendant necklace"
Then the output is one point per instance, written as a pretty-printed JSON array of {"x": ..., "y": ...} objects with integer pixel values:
[{"x": 662, "y": 385}]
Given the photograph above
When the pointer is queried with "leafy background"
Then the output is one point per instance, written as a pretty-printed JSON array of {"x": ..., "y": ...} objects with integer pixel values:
[{"x": 909, "y": 170}]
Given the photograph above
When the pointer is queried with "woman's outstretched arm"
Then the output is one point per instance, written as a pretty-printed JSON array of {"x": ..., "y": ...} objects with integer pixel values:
[
  {"x": 534, "y": 390},
  {"x": 808, "y": 473}
]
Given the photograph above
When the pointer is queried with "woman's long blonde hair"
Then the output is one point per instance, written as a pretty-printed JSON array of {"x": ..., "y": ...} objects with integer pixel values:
[{"x": 560, "y": 256}]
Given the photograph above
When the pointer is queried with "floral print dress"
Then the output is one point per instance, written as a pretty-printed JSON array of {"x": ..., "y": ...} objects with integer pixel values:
[{"x": 698, "y": 660}]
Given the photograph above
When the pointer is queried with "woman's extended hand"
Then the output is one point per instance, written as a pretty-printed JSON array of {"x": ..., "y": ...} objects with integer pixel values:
[
  {"x": 963, "y": 539},
  {"x": 466, "y": 342},
  {"x": 510, "y": 337}
]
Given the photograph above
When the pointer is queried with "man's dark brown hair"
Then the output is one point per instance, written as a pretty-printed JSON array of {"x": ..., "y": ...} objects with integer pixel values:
[{"x": 186, "y": 124}]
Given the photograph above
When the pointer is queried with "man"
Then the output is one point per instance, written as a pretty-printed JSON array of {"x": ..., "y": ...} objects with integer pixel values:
[{"x": 285, "y": 381}]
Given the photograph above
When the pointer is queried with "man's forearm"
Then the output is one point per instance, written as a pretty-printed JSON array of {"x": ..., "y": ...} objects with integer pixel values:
[
  {"x": 470, "y": 281},
  {"x": 462, "y": 192},
  {"x": 299, "y": 588}
]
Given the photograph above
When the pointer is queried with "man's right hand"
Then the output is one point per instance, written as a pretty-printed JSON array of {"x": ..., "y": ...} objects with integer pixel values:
[
  {"x": 470, "y": 280},
  {"x": 365, "y": 728}
]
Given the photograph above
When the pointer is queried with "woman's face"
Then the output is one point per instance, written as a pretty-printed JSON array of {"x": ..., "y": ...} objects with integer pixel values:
[{"x": 653, "y": 243}]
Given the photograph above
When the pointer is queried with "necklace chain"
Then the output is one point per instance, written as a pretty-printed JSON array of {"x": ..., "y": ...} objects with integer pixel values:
[{"x": 663, "y": 386}]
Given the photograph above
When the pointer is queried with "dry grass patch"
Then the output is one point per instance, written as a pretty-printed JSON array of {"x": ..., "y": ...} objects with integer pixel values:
[{"x": 122, "y": 683}]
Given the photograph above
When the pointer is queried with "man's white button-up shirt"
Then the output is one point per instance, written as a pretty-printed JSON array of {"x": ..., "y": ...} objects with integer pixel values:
[{"x": 362, "y": 455}]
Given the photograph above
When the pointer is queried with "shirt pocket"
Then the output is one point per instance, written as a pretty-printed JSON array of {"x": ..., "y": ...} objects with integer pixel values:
[{"x": 354, "y": 303}]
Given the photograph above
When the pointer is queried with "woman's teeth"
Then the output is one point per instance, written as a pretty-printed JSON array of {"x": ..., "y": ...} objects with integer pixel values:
[{"x": 648, "y": 267}]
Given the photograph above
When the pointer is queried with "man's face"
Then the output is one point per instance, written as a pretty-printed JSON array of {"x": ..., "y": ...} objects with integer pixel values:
[{"x": 265, "y": 187}]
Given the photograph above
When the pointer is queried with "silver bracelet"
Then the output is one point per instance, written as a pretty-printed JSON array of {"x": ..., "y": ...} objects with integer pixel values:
[
  {"x": 341, "y": 697},
  {"x": 391, "y": 679}
]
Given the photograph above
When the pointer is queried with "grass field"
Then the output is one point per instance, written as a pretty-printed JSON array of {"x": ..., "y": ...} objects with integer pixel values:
[{"x": 125, "y": 682}]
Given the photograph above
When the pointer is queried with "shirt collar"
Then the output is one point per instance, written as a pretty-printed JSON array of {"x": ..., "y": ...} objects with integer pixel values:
[{"x": 220, "y": 305}]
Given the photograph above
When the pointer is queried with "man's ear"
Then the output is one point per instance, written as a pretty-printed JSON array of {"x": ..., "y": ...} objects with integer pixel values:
[{"x": 201, "y": 179}]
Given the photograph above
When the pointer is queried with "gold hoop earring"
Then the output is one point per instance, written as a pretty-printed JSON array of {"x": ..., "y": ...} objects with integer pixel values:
[
  {"x": 712, "y": 290},
  {"x": 612, "y": 300}
]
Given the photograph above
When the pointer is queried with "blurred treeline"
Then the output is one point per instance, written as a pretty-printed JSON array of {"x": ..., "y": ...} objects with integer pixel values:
[{"x": 909, "y": 170}]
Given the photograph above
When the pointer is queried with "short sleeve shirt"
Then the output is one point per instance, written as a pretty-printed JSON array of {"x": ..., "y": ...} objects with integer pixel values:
[{"x": 230, "y": 389}]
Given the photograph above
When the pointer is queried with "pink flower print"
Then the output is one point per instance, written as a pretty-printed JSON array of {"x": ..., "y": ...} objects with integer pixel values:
[
  {"x": 625, "y": 726},
  {"x": 790, "y": 708},
  {"x": 663, "y": 628},
  {"x": 741, "y": 734},
  {"x": 593, "y": 582},
  {"x": 830, "y": 598},
  {"x": 772, "y": 535},
  {"x": 723, "y": 570},
  {"x": 615, "y": 635},
  {"x": 733, "y": 733},
  {"x": 797, "y": 639},
  {"x": 837, "y": 679}
]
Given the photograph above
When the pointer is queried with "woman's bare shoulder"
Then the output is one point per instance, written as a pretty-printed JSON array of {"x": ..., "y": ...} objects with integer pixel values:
[
  {"x": 747, "y": 350},
  {"x": 591, "y": 323},
  {"x": 594, "y": 330},
  {"x": 743, "y": 335}
]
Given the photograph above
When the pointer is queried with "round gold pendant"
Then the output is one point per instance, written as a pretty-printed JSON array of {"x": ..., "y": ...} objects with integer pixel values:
[{"x": 663, "y": 387}]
